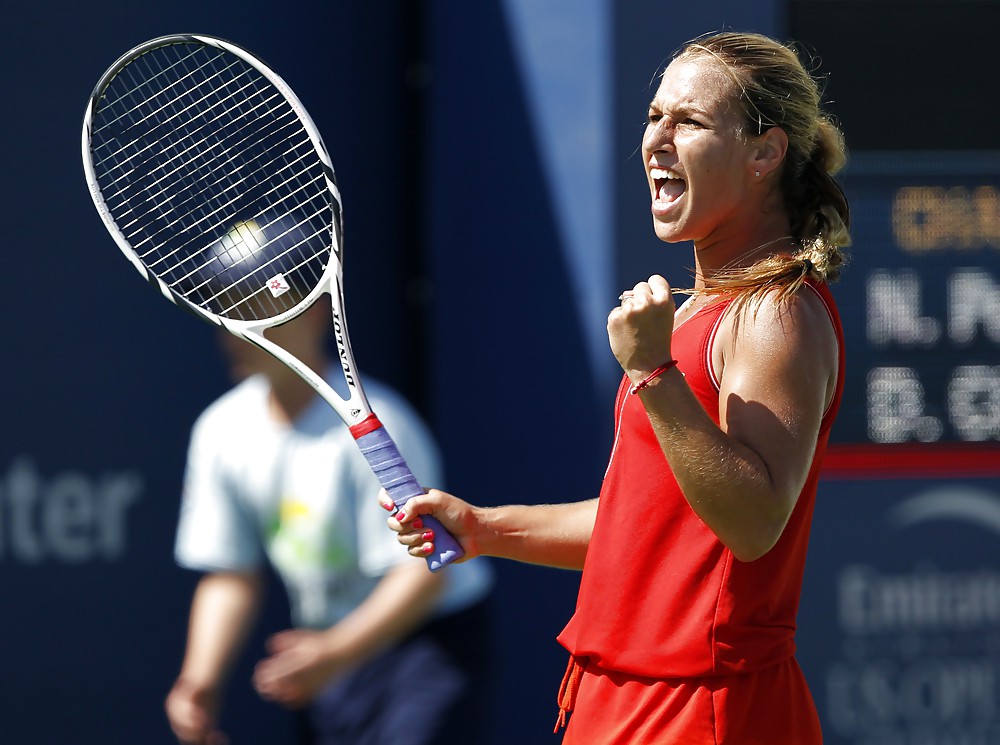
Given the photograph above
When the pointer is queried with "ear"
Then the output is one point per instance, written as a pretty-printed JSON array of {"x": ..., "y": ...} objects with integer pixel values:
[{"x": 769, "y": 151}]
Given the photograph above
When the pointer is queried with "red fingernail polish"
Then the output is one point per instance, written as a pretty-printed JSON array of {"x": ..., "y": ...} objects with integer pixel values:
[
  {"x": 428, "y": 548},
  {"x": 387, "y": 506},
  {"x": 400, "y": 516},
  {"x": 417, "y": 524},
  {"x": 428, "y": 536}
]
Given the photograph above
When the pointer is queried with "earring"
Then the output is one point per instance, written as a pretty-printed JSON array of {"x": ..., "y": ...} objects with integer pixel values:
[{"x": 757, "y": 174}]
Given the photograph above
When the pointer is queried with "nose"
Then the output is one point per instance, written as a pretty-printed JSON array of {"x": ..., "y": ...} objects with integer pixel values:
[{"x": 659, "y": 135}]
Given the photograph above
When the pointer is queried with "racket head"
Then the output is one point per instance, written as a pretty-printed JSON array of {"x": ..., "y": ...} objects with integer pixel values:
[
  {"x": 214, "y": 182},
  {"x": 216, "y": 185}
]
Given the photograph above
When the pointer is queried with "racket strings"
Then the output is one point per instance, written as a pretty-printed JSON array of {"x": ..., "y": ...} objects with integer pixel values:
[
  {"x": 161, "y": 79},
  {"x": 220, "y": 210},
  {"x": 294, "y": 233},
  {"x": 194, "y": 200},
  {"x": 304, "y": 265},
  {"x": 160, "y": 132},
  {"x": 207, "y": 170},
  {"x": 132, "y": 118},
  {"x": 164, "y": 123},
  {"x": 170, "y": 168}
]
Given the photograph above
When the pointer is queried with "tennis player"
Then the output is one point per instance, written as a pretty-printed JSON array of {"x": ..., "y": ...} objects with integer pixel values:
[{"x": 693, "y": 555}]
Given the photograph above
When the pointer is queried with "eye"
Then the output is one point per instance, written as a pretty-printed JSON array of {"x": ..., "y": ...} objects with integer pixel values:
[
  {"x": 653, "y": 117},
  {"x": 691, "y": 122}
]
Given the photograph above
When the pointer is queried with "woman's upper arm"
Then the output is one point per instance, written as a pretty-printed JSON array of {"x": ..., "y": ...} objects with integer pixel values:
[{"x": 779, "y": 369}]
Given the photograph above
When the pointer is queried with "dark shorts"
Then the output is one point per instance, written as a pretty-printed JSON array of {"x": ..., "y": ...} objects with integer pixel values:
[{"x": 431, "y": 689}]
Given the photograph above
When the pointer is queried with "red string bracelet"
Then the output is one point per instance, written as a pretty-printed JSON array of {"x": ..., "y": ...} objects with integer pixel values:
[{"x": 652, "y": 376}]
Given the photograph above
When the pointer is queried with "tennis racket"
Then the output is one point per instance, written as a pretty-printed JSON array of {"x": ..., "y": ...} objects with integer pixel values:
[{"x": 214, "y": 182}]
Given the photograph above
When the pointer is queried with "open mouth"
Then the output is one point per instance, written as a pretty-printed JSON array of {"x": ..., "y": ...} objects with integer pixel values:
[{"x": 668, "y": 185}]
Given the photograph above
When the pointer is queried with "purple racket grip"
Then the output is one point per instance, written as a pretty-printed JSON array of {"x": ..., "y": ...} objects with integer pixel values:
[{"x": 396, "y": 478}]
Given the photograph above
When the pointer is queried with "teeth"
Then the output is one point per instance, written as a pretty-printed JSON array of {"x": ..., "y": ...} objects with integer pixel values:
[{"x": 663, "y": 173}]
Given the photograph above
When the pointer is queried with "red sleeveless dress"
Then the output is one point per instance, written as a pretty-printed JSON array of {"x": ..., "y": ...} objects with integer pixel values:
[{"x": 673, "y": 639}]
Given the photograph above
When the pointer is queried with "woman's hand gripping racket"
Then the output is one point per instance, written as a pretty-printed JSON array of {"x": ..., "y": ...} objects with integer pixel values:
[{"x": 215, "y": 184}]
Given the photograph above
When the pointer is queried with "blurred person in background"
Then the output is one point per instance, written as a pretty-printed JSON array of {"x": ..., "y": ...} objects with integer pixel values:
[{"x": 273, "y": 474}]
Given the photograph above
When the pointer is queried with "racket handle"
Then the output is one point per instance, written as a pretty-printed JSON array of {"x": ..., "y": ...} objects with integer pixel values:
[{"x": 396, "y": 478}]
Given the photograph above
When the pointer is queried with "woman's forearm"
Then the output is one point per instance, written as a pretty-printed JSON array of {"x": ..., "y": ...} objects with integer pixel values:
[{"x": 555, "y": 535}]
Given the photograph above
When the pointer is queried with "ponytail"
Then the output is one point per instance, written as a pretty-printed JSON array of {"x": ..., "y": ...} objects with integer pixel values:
[{"x": 817, "y": 206}]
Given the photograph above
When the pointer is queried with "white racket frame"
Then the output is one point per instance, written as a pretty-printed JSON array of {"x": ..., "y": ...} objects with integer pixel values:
[{"x": 353, "y": 409}]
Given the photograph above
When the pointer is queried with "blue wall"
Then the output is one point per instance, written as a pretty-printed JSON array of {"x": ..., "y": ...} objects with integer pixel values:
[{"x": 495, "y": 208}]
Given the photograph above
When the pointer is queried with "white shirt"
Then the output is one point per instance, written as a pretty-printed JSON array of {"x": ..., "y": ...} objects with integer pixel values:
[{"x": 303, "y": 496}]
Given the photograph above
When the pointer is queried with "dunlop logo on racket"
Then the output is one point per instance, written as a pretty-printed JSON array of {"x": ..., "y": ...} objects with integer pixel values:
[{"x": 277, "y": 285}]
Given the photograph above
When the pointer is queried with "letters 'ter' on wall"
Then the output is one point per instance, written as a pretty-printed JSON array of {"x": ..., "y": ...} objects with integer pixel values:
[{"x": 69, "y": 517}]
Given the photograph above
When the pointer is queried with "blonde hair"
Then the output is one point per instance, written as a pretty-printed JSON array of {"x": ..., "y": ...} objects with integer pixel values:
[{"x": 775, "y": 90}]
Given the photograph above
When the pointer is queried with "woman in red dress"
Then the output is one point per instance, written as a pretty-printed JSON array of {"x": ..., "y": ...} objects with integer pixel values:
[{"x": 694, "y": 552}]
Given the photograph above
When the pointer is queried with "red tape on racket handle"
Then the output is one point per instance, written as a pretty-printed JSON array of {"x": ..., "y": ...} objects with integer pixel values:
[{"x": 396, "y": 478}]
